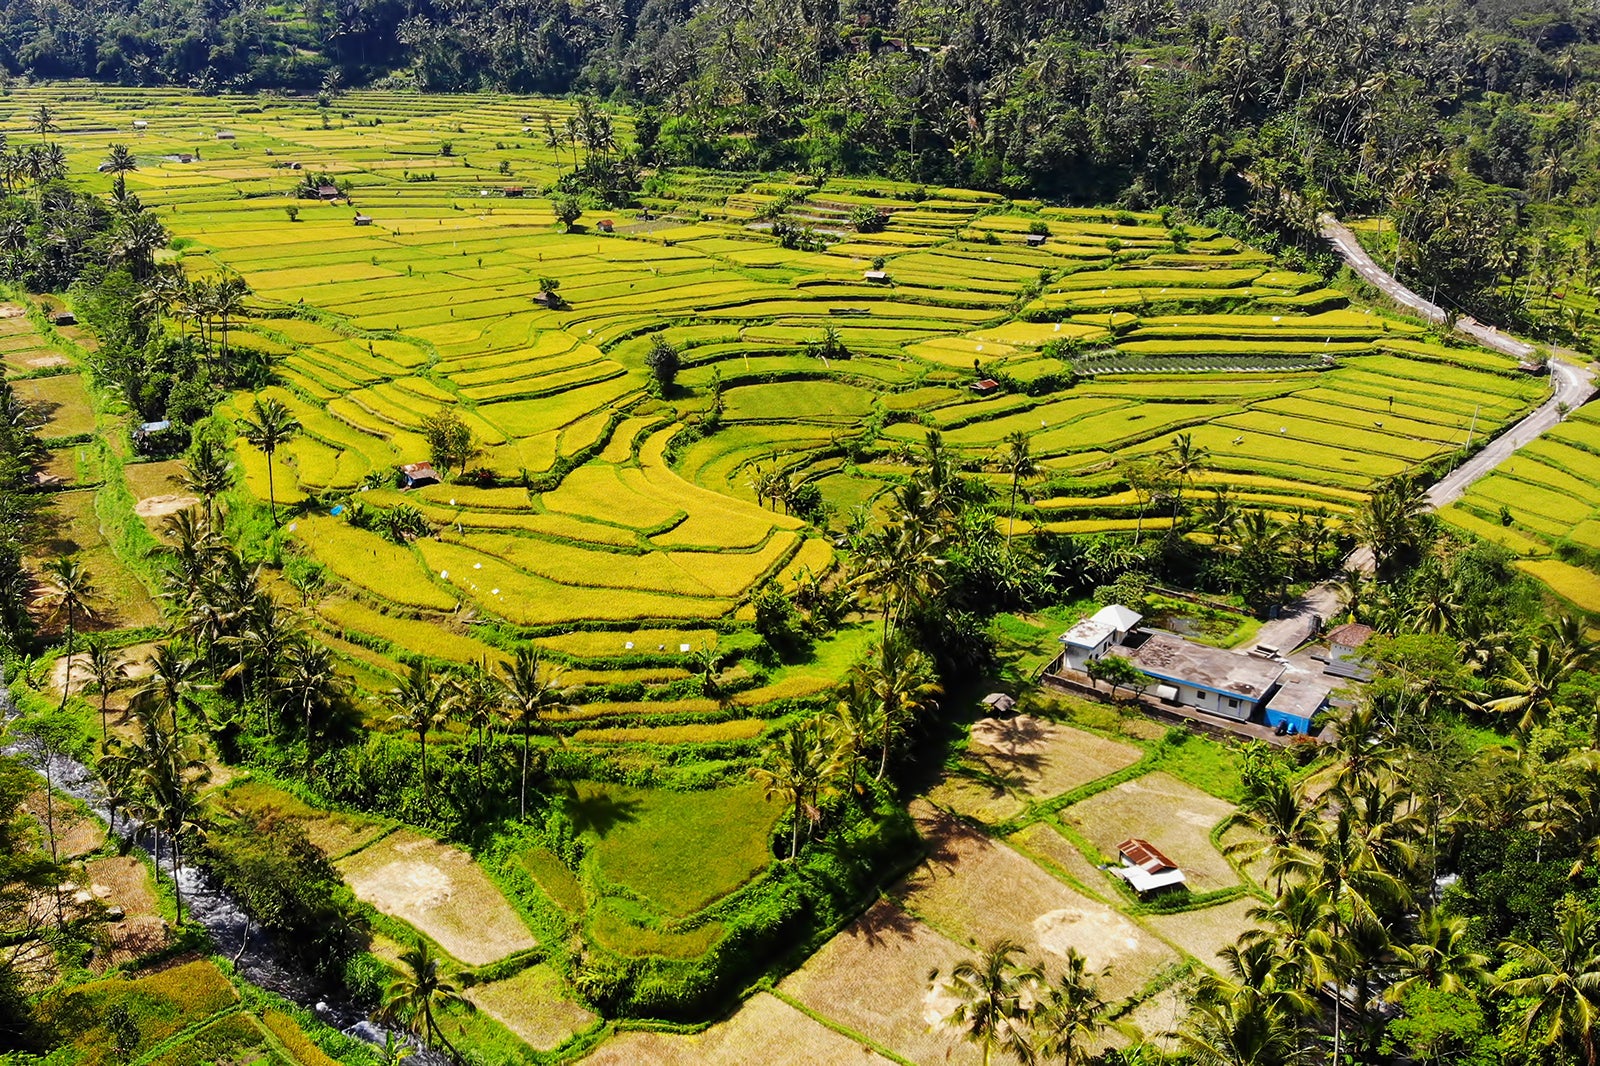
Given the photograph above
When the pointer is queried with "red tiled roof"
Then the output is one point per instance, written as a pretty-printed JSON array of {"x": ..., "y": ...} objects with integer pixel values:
[{"x": 1143, "y": 854}]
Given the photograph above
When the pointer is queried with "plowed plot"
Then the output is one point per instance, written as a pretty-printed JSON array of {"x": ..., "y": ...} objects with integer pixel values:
[
  {"x": 1205, "y": 933},
  {"x": 873, "y": 978},
  {"x": 765, "y": 1030},
  {"x": 442, "y": 892},
  {"x": 532, "y": 1005},
  {"x": 125, "y": 882},
  {"x": 1024, "y": 758},
  {"x": 978, "y": 890},
  {"x": 1175, "y": 817}
]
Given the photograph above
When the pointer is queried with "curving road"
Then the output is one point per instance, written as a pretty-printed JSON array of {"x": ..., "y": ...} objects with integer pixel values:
[{"x": 1573, "y": 383}]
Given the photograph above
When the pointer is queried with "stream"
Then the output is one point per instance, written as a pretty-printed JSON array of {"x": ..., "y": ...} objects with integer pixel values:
[{"x": 256, "y": 957}]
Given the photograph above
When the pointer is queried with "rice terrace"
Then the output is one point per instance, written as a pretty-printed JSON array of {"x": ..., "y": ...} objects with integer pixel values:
[{"x": 661, "y": 545}]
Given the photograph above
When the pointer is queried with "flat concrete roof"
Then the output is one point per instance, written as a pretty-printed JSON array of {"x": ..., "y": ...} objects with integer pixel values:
[
  {"x": 1088, "y": 633},
  {"x": 1300, "y": 698},
  {"x": 1172, "y": 658}
]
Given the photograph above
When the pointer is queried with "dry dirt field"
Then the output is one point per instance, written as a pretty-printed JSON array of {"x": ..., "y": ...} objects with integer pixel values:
[
  {"x": 1027, "y": 759},
  {"x": 1175, "y": 817},
  {"x": 1043, "y": 840},
  {"x": 125, "y": 882},
  {"x": 873, "y": 978},
  {"x": 976, "y": 890},
  {"x": 533, "y": 1005},
  {"x": 1204, "y": 933},
  {"x": 765, "y": 1030},
  {"x": 441, "y": 891}
]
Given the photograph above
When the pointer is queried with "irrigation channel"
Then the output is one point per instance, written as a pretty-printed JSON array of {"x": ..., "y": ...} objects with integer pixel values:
[{"x": 254, "y": 953}]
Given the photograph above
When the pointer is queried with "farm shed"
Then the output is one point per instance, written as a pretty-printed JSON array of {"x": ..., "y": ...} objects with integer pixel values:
[
  {"x": 415, "y": 475},
  {"x": 1294, "y": 707},
  {"x": 1208, "y": 679},
  {"x": 984, "y": 387},
  {"x": 1000, "y": 703},
  {"x": 1344, "y": 655},
  {"x": 1036, "y": 239},
  {"x": 513, "y": 191},
  {"x": 64, "y": 318},
  {"x": 140, "y": 124},
  {"x": 606, "y": 225},
  {"x": 546, "y": 299},
  {"x": 224, "y": 135},
  {"x": 1145, "y": 868},
  {"x": 327, "y": 192},
  {"x": 879, "y": 276},
  {"x": 363, "y": 220},
  {"x": 1097, "y": 635}
]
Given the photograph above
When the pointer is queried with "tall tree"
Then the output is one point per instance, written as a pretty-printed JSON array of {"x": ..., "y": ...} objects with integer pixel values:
[
  {"x": 1019, "y": 463},
  {"x": 69, "y": 591},
  {"x": 796, "y": 768},
  {"x": 1563, "y": 981},
  {"x": 419, "y": 991},
  {"x": 993, "y": 994},
  {"x": 268, "y": 427},
  {"x": 419, "y": 703},
  {"x": 531, "y": 694},
  {"x": 107, "y": 673}
]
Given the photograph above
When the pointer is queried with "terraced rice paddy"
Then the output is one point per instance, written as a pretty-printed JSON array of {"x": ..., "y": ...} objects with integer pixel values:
[{"x": 1544, "y": 499}]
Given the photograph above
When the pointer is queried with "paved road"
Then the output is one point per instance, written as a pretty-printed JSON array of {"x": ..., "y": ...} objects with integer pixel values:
[{"x": 1573, "y": 385}]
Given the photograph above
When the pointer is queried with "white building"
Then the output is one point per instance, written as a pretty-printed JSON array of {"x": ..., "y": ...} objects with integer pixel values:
[{"x": 1094, "y": 637}]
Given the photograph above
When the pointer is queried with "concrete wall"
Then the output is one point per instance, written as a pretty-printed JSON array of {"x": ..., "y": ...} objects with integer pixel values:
[{"x": 1215, "y": 703}]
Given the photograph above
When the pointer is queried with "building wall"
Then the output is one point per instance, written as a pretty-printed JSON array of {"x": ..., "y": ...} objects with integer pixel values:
[
  {"x": 1078, "y": 658},
  {"x": 1215, "y": 703}
]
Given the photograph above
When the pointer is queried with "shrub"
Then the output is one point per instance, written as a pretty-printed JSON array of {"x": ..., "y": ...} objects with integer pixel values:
[
  {"x": 868, "y": 219},
  {"x": 663, "y": 362}
]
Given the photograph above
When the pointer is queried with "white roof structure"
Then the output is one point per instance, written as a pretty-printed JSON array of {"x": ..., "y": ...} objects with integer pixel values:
[
  {"x": 1120, "y": 618},
  {"x": 1088, "y": 633},
  {"x": 1145, "y": 868}
]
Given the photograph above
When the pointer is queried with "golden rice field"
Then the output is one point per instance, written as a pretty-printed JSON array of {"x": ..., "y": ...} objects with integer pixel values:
[{"x": 605, "y": 505}]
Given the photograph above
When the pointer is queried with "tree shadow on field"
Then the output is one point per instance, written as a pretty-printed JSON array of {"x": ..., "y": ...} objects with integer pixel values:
[
  {"x": 600, "y": 812},
  {"x": 886, "y": 923}
]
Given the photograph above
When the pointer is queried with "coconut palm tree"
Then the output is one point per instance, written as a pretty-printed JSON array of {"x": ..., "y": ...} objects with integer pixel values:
[
  {"x": 1278, "y": 819},
  {"x": 107, "y": 673},
  {"x": 69, "y": 590},
  {"x": 1440, "y": 958},
  {"x": 476, "y": 697},
  {"x": 309, "y": 682},
  {"x": 228, "y": 302},
  {"x": 796, "y": 770},
  {"x": 530, "y": 695},
  {"x": 1070, "y": 1022},
  {"x": 1019, "y": 463},
  {"x": 419, "y": 703},
  {"x": 994, "y": 994},
  {"x": 43, "y": 122},
  {"x": 269, "y": 426},
  {"x": 208, "y": 473},
  {"x": 902, "y": 563},
  {"x": 856, "y": 721},
  {"x": 903, "y": 684},
  {"x": 120, "y": 160},
  {"x": 1564, "y": 983},
  {"x": 1182, "y": 460},
  {"x": 421, "y": 989},
  {"x": 1531, "y": 683}
]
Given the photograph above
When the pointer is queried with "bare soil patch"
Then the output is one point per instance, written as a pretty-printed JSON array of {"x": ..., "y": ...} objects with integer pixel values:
[
  {"x": 124, "y": 882},
  {"x": 1177, "y": 818},
  {"x": 1157, "y": 1017},
  {"x": 978, "y": 890},
  {"x": 441, "y": 891},
  {"x": 1204, "y": 933},
  {"x": 765, "y": 1030},
  {"x": 533, "y": 1005},
  {"x": 161, "y": 506},
  {"x": 76, "y": 833},
  {"x": 873, "y": 978},
  {"x": 1044, "y": 759}
]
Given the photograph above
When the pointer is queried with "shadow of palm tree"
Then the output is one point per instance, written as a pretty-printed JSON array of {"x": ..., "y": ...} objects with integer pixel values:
[
  {"x": 884, "y": 923},
  {"x": 600, "y": 812}
]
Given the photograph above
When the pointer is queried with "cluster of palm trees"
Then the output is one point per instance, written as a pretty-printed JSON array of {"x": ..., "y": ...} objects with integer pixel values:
[
  {"x": 520, "y": 697},
  {"x": 1006, "y": 1003},
  {"x": 588, "y": 127},
  {"x": 1352, "y": 856},
  {"x": 209, "y": 307}
]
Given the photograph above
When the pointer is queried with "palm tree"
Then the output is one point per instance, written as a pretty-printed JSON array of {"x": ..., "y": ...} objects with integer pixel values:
[
  {"x": 1441, "y": 958},
  {"x": 1071, "y": 1020},
  {"x": 530, "y": 695},
  {"x": 1564, "y": 983},
  {"x": 107, "y": 672},
  {"x": 903, "y": 684},
  {"x": 1018, "y": 462},
  {"x": 991, "y": 991},
  {"x": 421, "y": 989},
  {"x": 69, "y": 590},
  {"x": 268, "y": 426},
  {"x": 227, "y": 301},
  {"x": 856, "y": 719},
  {"x": 798, "y": 766},
  {"x": 310, "y": 682},
  {"x": 120, "y": 160},
  {"x": 1240, "y": 1026},
  {"x": 1182, "y": 459},
  {"x": 207, "y": 473},
  {"x": 43, "y": 122},
  {"x": 902, "y": 562},
  {"x": 476, "y": 697},
  {"x": 1278, "y": 820},
  {"x": 419, "y": 703},
  {"x": 1531, "y": 683}
]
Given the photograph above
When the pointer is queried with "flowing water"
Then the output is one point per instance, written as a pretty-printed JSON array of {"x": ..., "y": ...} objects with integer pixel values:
[{"x": 257, "y": 958}]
